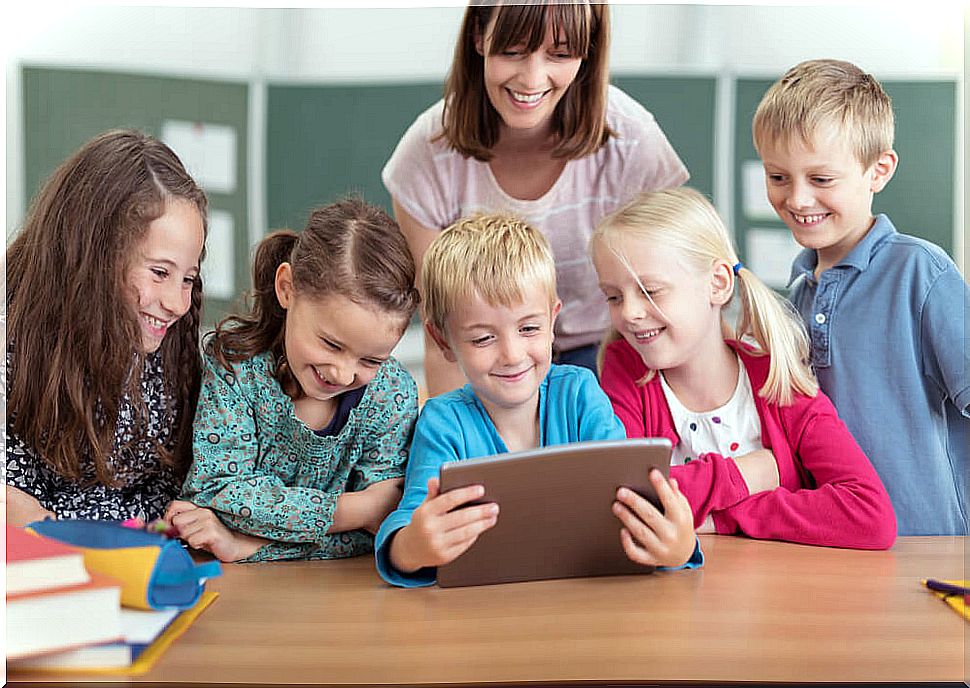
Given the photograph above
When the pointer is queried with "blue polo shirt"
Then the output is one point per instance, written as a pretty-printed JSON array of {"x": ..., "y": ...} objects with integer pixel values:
[{"x": 888, "y": 327}]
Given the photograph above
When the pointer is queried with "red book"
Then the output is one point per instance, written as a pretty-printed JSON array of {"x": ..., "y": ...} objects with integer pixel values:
[{"x": 35, "y": 562}]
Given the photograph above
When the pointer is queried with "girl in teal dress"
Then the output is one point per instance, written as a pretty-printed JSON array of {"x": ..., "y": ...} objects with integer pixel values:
[{"x": 304, "y": 418}]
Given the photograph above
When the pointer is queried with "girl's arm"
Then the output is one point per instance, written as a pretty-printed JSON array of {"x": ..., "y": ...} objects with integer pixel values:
[
  {"x": 711, "y": 482},
  {"x": 22, "y": 508},
  {"x": 227, "y": 477},
  {"x": 376, "y": 480},
  {"x": 441, "y": 375},
  {"x": 846, "y": 507}
]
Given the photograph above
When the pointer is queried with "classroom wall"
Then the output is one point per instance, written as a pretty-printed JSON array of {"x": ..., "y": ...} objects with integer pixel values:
[{"x": 335, "y": 44}]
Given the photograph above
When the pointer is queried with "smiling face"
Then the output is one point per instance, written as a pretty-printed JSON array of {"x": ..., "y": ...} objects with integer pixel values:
[
  {"x": 163, "y": 271},
  {"x": 680, "y": 320},
  {"x": 523, "y": 87},
  {"x": 505, "y": 352},
  {"x": 333, "y": 345},
  {"x": 822, "y": 192}
]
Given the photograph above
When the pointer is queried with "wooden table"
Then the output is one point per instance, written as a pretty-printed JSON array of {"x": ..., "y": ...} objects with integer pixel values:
[{"x": 756, "y": 612}]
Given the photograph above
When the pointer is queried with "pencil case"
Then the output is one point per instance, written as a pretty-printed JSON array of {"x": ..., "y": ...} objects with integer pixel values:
[{"x": 156, "y": 572}]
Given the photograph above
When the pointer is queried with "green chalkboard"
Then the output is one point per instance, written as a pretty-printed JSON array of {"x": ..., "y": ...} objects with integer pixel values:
[
  {"x": 920, "y": 197},
  {"x": 324, "y": 141},
  {"x": 63, "y": 108},
  {"x": 684, "y": 106}
]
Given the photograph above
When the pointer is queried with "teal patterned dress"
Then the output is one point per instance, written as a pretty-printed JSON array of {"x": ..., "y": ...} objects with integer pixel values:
[{"x": 265, "y": 473}]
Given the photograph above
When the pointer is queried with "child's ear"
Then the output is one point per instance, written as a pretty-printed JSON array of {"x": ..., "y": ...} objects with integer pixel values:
[
  {"x": 883, "y": 170},
  {"x": 555, "y": 311},
  {"x": 284, "y": 285},
  {"x": 722, "y": 283},
  {"x": 441, "y": 341}
]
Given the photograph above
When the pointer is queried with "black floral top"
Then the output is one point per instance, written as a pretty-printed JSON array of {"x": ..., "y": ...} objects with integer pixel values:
[{"x": 145, "y": 485}]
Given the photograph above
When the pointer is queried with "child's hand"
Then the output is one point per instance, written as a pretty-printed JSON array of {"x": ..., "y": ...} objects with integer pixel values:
[
  {"x": 650, "y": 537},
  {"x": 202, "y": 529},
  {"x": 381, "y": 499},
  {"x": 437, "y": 534},
  {"x": 22, "y": 508},
  {"x": 759, "y": 470}
]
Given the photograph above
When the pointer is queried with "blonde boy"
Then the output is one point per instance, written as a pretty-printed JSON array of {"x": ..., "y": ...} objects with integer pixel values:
[
  {"x": 489, "y": 287},
  {"x": 886, "y": 312}
]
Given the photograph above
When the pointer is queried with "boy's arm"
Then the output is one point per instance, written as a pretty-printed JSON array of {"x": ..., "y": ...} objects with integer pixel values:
[
  {"x": 437, "y": 438},
  {"x": 848, "y": 505},
  {"x": 226, "y": 477},
  {"x": 945, "y": 337}
]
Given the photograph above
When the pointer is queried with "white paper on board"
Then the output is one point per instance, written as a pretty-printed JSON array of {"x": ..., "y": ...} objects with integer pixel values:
[
  {"x": 208, "y": 152},
  {"x": 756, "y": 205},
  {"x": 770, "y": 253},
  {"x": 218, "y": 269}
]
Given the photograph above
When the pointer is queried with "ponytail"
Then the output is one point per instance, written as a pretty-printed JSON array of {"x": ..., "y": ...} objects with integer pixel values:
[
  {"x": 779, "y": 332},
  {"x": 241, "y": 336},
  {"x": 685, "y": 219}
]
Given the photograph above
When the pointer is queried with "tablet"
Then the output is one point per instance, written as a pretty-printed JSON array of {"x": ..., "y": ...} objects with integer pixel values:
[{"x": 555, "y": 510}]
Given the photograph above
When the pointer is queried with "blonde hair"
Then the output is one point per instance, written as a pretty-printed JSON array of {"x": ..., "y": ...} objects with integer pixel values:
[
  {"x": 499, "y": 257},
  {"x": 470, "y": 122},
  {"x": 819, "y": 93},
  {"x": 684, "y": 219}
]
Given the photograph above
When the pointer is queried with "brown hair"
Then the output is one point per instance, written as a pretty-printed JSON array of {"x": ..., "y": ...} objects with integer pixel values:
[
  {"x": 76, "y": 339},
  {"x": 350, "y": 248},
  {"x": 470, "y": 122},
  {"x": 817, "y": 93}
]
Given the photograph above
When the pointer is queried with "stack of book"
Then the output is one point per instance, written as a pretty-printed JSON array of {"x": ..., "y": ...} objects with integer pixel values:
[
  {"x": 53, "y": 603},
  {"x": 63, "y": 617}
]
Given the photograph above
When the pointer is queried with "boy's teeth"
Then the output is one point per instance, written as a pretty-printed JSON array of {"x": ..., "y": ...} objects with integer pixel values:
[
  {"x": 525, "y": 97},
  {"x": 808, "y": 219}
]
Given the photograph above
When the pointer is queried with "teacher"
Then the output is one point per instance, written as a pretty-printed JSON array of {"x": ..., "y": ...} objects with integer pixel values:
[{"x": 529, "y": 125}]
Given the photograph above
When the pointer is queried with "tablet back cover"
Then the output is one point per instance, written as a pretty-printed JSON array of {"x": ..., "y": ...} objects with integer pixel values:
[{"x": 555, "y": 510}]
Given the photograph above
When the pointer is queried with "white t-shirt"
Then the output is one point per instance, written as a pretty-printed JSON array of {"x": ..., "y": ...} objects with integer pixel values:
[
  {"x": 732, "y": 430},
  {"x": 436, "y": 185}
]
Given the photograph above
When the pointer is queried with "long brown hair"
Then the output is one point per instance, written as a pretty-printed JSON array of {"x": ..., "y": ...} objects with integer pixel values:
[
  {"x": 470, "y": 122},
  {"x": 76, "y": 339},
  {"x": 349, "y": 248}
]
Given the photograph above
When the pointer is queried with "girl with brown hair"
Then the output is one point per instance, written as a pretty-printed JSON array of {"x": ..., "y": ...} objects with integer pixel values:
[
  {"x": 530, "y": 126},
  {"x": 304, "y": 419},
  {"x": 103, "y": 307}
]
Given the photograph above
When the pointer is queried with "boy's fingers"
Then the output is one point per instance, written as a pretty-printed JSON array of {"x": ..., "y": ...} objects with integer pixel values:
[
  {"x": 452, "y": 499},
  {"x": 675, "y": 504},
  {"x": 645, "y": 531},
  {"x": 461, "y": 518},
  {"x": 634, "y": 551}
]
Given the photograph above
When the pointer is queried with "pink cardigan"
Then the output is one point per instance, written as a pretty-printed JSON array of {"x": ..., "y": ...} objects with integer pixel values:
[{"x": 829, "y": 493}]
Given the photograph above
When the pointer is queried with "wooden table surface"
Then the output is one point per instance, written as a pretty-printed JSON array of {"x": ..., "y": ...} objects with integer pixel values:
[{"x": 756, "y": 612}]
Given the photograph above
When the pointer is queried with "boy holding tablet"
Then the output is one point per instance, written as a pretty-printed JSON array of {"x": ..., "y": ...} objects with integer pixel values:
[{"x": 489, "y": 289}]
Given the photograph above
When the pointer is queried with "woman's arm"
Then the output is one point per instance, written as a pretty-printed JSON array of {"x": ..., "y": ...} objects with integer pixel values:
[{"x": 441, "y": 375}]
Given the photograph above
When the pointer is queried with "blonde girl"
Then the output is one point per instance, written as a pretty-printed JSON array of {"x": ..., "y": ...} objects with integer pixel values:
[
  {"x": 304, "y": 418},
  {"x": 758, "y": 449}
]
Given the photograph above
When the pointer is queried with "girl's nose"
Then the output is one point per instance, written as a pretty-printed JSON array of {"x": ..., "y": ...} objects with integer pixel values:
[
  {"x": 343, "y": 374},
  {"x": 175, "y": 299}
]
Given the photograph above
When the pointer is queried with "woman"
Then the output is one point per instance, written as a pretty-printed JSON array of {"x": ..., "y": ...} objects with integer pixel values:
[{"x": 530, "y": 126}]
